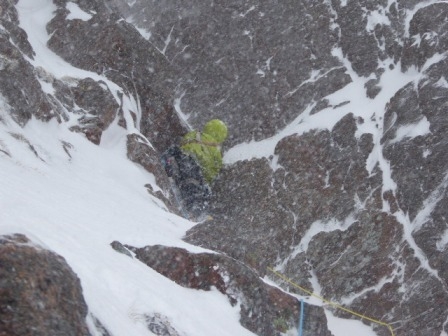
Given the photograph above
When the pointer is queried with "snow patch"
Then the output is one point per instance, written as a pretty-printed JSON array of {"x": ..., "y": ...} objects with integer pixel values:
[
  {"x": 436, "y": 58},
  {"x": 321, "y": 226},
  {"x": 378, "y": 16},
  {"x": 442, "y": 82},
  {"x": 342, "y": 327},
  {"x": 183, "y": 116},
  {"x": 443, "y": 241},
  {"x": 411, "y": 131},
  {"x": 77, "y": 13},
  {"x": 143, "y": 32}
]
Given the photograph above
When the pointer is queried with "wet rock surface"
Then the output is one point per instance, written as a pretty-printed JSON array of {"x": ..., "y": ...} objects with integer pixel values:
[{"x": 39, "y": 293}]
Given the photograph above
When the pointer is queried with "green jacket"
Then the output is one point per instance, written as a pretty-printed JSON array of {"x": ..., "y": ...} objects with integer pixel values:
[{"x": 205, "y": 147}]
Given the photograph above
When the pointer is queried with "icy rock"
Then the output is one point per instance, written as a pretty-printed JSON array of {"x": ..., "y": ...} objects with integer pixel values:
[
  {"x": 117, "y": 246},
  {"x": 427, "y": 35}
]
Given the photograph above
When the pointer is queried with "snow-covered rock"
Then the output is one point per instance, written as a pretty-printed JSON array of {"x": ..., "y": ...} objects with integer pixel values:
[{"x": 335, "y": 167}]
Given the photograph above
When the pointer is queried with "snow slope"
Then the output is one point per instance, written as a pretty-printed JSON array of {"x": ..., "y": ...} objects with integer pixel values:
[{"x": 77, "y": 206}]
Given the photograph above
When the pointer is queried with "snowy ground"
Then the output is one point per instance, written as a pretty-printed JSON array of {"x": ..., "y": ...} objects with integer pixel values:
[{"x": 76, "y": 204}]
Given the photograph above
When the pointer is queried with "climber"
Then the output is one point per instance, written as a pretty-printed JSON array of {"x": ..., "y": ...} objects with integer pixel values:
[{"x": 195, "y": 164}]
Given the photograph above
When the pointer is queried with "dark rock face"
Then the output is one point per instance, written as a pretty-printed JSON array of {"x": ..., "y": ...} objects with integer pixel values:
[
  {"x": 237, "y": 61},
  {"x": 319, "y": 177},
  {"x": 18, "y": 84},
  {"x": 373, "y": 237},
  {"x": 419, "y": 165},
  {"x": 141, "y": 152},
  {"x": 109, "y": 46},
  {"x": 262, "y": 306},
  {"x": 352, "y": 22},
  {"x": 234, "y": 209},
  {"x": 263, "y": 216},
  {"x": 428, "y": 35},
  {"x": 39, "y": 293},
  {"x": 98, "y": 108}
]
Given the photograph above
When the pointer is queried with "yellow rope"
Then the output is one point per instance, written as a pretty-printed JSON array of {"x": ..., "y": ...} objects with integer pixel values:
[{"x": 332, "y": 303}]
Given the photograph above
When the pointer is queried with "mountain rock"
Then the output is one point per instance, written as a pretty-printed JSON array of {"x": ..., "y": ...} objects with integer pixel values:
[
  {"x": 160, "y": 325},
  {"x": 320, "y": 214},
  {"x": 352, "y": 207},
  {"x": 237, "y": 61},
  {"x": 39, "y": 293},
  {"x": 19, "y": 86},
  {"x": 263, "y": 307},
  {"x": 428, "y": 35},
  {"x": 108, "y": 45},
  {"x": 98, "y": 108},
  {"x": 140, "y": 151}
]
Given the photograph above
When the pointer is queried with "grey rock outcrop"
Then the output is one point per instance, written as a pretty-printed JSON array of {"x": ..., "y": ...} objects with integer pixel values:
[{"x": 39, "y": 293}]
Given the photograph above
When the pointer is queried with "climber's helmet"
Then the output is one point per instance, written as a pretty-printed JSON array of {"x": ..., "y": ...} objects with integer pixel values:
[{"x": 216, "y": 129}]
